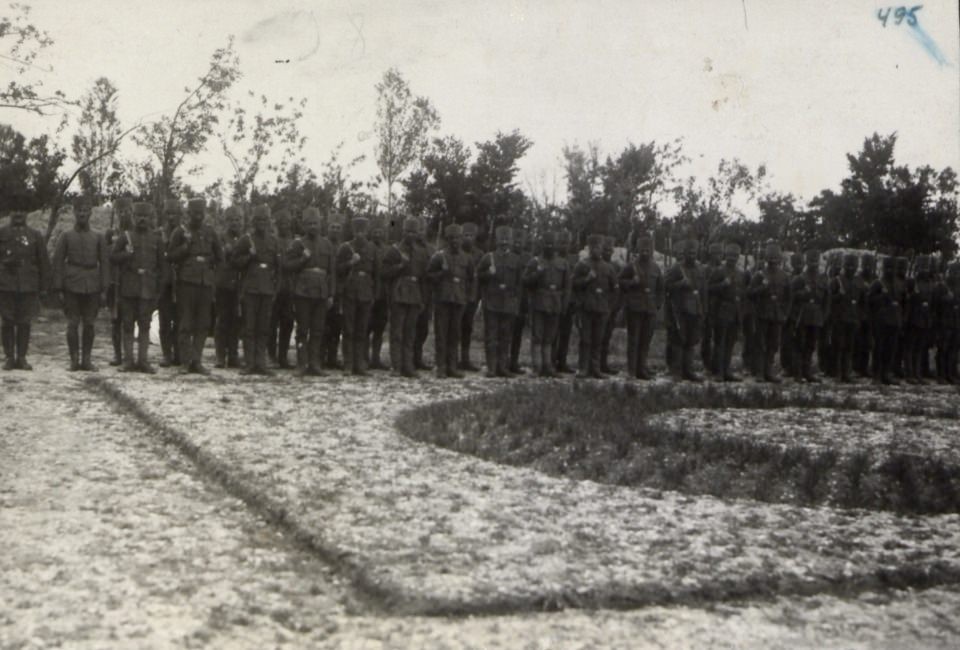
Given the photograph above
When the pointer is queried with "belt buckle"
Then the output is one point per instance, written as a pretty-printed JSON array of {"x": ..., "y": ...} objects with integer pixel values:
[
  {"x": 599, "y": 290},
  {"x": 361, "y": 272},
  {"x": 647, "y": 290},
  {"x": 553, "y": 287},
  {"x": 201, "y": 259},
  {"x": 141, "y": 271},
  {"x": 456, "y": 280},
  {"x": 503, "y": 286}
]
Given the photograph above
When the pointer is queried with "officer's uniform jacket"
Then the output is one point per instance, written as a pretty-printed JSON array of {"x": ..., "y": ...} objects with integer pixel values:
[
  {"x": 228, "y": 276},
  {"x": 919, "y": 303},
  {"x": 24, "y": 263},
  {"x": 405, "y": 277},
  {"x": 686, "y": 289},
  {"x": 359, "y": 281},
  {"x": 886, "y": 302},
  {"x": 196, "y": 259},
  {"x": 594, "y": 294},
  {"x": 139, "y": 258},
  {"x": 260, "y": 269},
  {"x": 500, "y": 291},
  {"x": 642, "y": 287},
  {"x": 728, "y": 291},
  {"x": 313, "y": 275},
  {"x": 847, "y": 299},
  {"x": 80, "y": 262},
  {"x": 546, "y": 279},
  {"x": 451, "y": 273},
  {"x": 811, "y": 300},
  {"x": 772, "y": 301}
]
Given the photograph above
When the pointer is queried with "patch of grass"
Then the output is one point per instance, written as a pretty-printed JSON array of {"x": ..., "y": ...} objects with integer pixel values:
[{"x": 601, "y": 432}]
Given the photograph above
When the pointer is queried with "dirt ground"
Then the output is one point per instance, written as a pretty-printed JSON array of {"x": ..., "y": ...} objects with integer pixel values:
[{"x": 155, "y": 512}]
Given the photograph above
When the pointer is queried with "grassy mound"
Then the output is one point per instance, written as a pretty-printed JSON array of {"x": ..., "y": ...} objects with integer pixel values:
[{"x": 605, "y": 433}]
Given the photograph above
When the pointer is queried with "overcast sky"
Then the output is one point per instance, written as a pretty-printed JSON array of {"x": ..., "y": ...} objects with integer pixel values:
[{"x": 794, "y": 85}]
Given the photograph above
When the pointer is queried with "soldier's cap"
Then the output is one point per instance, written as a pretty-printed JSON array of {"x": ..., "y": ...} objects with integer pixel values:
[
  {"x": 378, "y": 224},
  {"x": 281, "y": 215},
  {"x": 123, "y": 203},
  {"x": 233, "y": 211},
  {"x": 732, "y": 247},
  {"x": 902, "y": 262},
  {"x": 687, "y": 246},
  {"x": 868, "y": 259},
  {"x": 811, "y": 256},
  {"x": 196, "y": 205},
  {"x": 549, "y": 238},
  {"x": 142, "y": 209},
  {"x": 644, "y": 242},
  {"x": 411, "y": 224},
  {"x": 595, "y": 240},
  {"x": 335, "y": 219},
  {"x": 82, "y": 202},
  {"x": 772, "y": 251},
  {"x": 453, "y": 230},
  {"x": 469, "y": 228},
  {"x": 715, "y": 248},
  {"x": 850, "y": 260},
  {"x": 262, "y": 211},
  {"x": 359, "y": 223},
  {"x": 311, "y": 213},
  {"x": 172, "y": 205},
  {"x": 504, "y": 235}
]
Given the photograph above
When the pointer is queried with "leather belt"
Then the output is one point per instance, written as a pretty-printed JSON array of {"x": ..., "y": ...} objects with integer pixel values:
[
  {"x": 83, "y": 266},
  {"x": 263, "y": 266},
  {"x": 315, "y": 269}
]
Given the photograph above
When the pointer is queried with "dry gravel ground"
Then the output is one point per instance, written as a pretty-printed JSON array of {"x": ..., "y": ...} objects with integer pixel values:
[{"x": 113, "y": 538}]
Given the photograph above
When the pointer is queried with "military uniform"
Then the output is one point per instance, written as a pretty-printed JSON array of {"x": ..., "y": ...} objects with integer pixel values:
[
  {"x": 595, "y": 283},
  {"x": 123, "y": 208},
  {"x": 426, "y": 310},
  {"x": 380, "y": 310},
  {"x": 195, "y": 251},
  {"x": 770, "y": 290},
  {"x": 281, "y": 314},
  {"x": 257, "y": 256},
  {"x": 471, "y": 250},
  {"x": 946, "y": 301},
  {"x": 789, "y": 345},
  {"x": 521, "y": 248},
  {"x": 686, "y": 288},
  {"x": 226, "y": 302},
  {"x": 728, "y": 290},
  {"x": 358, "y": 275},
  {"x": 450, "y": 272},
  {"x": 901, "y": 267},
  {"x": 404, "y": 273},
  {"x": 616, "y": 304},
  {"x": 545, "y": 278},
  {"x": 500, "y": 276},
  {"x": 168, "y": 319},
  {"x": 311, "y": 262},
  {"x": 24, "y": 275},
  {"x": 714, "y": 260},
  {"x": 811, "y": 305},
  {"x": 643, "y": 290},
  {"x": 886, "y": 308},
  {"x": 140, "y": 260},
  {"x": 847, "y": 300},
  {"x": 568, "y": 315},
  {"x": 81, "y": 271},
  {"x": 333, "y": 325},
  {"x": 918, "y": 322},
  {"x": 863, "y": 363}
]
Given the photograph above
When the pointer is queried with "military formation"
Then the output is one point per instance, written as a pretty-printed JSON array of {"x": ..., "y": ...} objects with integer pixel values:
[{"x": 336, "y": 289}]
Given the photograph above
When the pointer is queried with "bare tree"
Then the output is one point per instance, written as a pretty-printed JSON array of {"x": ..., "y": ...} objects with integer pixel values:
[{"x": 96, "y": 138}]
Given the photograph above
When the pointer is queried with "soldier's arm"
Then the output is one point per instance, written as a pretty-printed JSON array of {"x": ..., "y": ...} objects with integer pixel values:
[
  {"x": 435, "y": 268},
  {"x": 293, "y": 259},
  {"x": 241, "y": 253},
  {"x": 627, "y": 276},
  {"x": 179, "y": 246},
  {"x": 103, "y": 258},
  {"x": 581, "y": 275},
  {"x": 120, "y": 251},
  {"x": 675, "y": 279},
  {"x": 483, "y": 267},
  {"x": 393, "y": 264},
  {"x": 531, "y": 274},
  {"x": 218, "y": 254}
]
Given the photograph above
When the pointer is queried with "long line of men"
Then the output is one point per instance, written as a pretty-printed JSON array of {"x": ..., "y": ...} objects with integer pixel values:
[{"x": 338, "y": 294}]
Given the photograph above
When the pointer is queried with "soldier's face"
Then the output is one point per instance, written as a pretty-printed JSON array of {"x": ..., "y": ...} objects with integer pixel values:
[
  {"x": 172, "y": 217},
  {"x": 335, "y": 230},
  {"x": 196, "y": 217},
  {"x": 455, "y": 241},
  {"x": 732, "y": 258},
  {"x": 82, "y": 217},
  {"x": 595, "y": 250},
  {"x": 234, "y": 224},
  {"x": 549, "y": 250},
  {"x": 260, "y": 223},
  {"x": 503, "y": 246},
  {"x": 773, "y": 263},
  {"x": 468, "y": 241},
  {"x": 690, "y": 255},
  {"x": 312, "y": 226},
  {"x": 643, "y": 254},
  {"x": 850, "y": 268},
  {"x": 376, "y": 236},
  {"x": 283, "y": 227},
  {"x": 143, "y": 221}
]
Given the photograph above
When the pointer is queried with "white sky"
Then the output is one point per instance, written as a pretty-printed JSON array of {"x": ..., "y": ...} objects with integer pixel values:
[{"x": 797, "y": 87}]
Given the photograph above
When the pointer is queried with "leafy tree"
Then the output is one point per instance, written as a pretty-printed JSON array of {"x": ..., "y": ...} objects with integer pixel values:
[
  {"x": 97, "y": 139},
  {"x": 173, "y": 138},
  {"x": 21, "y": 43},
  {"x": 404, "y": 123},
  {"x": 495, "y": 195},
  {"x": 29, "y": 170}
]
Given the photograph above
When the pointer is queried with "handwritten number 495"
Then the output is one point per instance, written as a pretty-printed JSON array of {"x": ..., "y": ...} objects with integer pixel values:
[{"x": 899, "y": 14}]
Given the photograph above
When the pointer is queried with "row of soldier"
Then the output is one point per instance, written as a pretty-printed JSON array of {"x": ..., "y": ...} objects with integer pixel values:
[{"x": 344, "y": 294}]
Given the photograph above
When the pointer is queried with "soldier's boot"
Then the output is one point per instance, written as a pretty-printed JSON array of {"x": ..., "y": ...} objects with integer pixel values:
[
  {"x": 490, "y": 357},
  {"x": 535, "y": 357},
  {"x": 595, "y": 352},
  {"x": 676, "y": 362},
  {"x": 8, "y": 334},
  {"x": 73, "y": 347},
  {"x": 769, "y": 374},
  {"x": 314, "y": 353},
  {"x": 688, "y": 372},
  {"x": 220, "y": 350},
  {"x": 808, "y": 373},
  {"x": 143, "y": 352},
  {"x": 116, "y": 338},
  {"x": 261, "y": 358},
  {"x": 283, "y": 347},
  {"x": 441, "y": 364},
  {"x": 86, "y": 350},
  {"x": 643, "y": 372},
  {"x": 452, "y": 363},
  {"x": 129, "y": 364},
  {"x": 249, "y": 357},
  {"x": 546, "y": 361},
  {"x": 196, "y": 356},
  {"x": 583, "y": 363},
  {"x": 359, "y": 359},
  {"x": 605, "y": 358},
  {"x": 22, "y": 343},
  {"x": 465, "y": 362},
  {"x": 376, "y": 348},
  {"x": 407, "y": 367},
  {"x": 503, "y": 360},
  {"x": 303, "y": 360}
]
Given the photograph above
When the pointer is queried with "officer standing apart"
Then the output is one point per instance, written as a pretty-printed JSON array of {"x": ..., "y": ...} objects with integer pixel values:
[
  {"x": 450, "y": 272},
  {"x": 123, "y": 207},
  {"x": 569, "y": 253},
  {"x": 404, "y": 271},
  {"x": 499, "y": 274},
  {"x": 195, "y": 251},
  {"x": 24, "y": 277},
  {"x": 140, "y": 259},
  {"x": 380, "y": 310},
  {"x": 642, "y": 286},
  {"x": 81, "y": 273}
]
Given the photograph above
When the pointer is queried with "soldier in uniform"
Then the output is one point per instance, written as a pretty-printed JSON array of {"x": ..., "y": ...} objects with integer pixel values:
[
  {"x": 565, "y": 328},
  {"x": 311, "y": 262},
  {"x": 334, "y": 320},
  {"x": 825, "y": 353},
  {"x": 918, "y": 322},
  {"x": 123, "y": 207},
  {"x": 750, "y": 350},
  {"x": 847, "y": 298},
  {"x": 257, "y": 256},
  {"x": 616, "y": 303},
  {"x": 24, "y": 276},
  {"x": 403, "y": 272},
  {"x": 426, "y": 311},
  {"x": 789, "y": 358},
  {"x": 596, "y": 282},
  {"x": 641, "y": 284},
  {"x": 227, "y": 295},
  {"x": 281, "y": 315},
  {"x": 450, "y": 272},
  {"x": 728, "y": 290},
  {"x": 499, "y": 274},
  {"x": 886, "y": 308},
  {"x": 770, "y": 291},
  {"x": 380, "y": 311},
  {"x": 811, "y": 304},
  {"x": 901, "y": 268},
  {"x": 545, "y": 277},
  {"x": 81, "y": 272},
  {"x": 523, "y": 249},
  {"x": 946, "y": 300},
  {"x": 358, "y": 275},
  {"x": 140, "y": 259},
  {"x": 196, "y": 252},
  {"x": 863, "y": 341},
  {"x": 473, "y": 252},
  {"x": 167, "y": 304},
  {"x": 686, "y": 286},
  {"x": 714, "y": 263}
]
